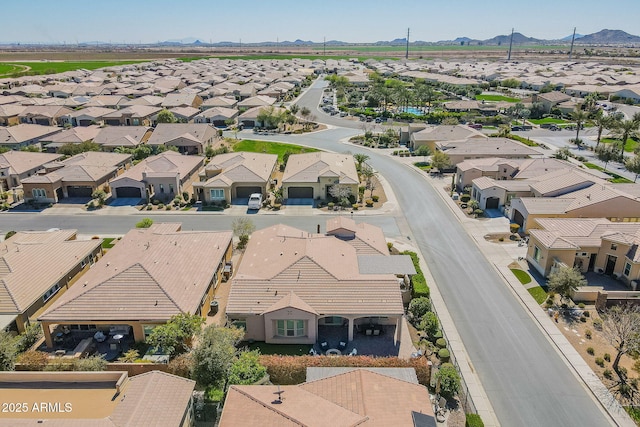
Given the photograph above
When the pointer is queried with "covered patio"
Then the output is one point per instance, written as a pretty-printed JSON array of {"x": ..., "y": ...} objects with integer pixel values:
[{"x": 381, "y": 345}]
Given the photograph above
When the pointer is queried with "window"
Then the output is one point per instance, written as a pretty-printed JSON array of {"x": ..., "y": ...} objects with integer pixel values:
[
  {"x": 38, "y": 193},
  {"x": 537, "y": 254},
  {"x": 614, "y": 246},
  {"x": 51, "y": 292},
  {"x": 147, "y": 329},
  {"x": 162, "y": 188},
  {"x": 290, "y": 328},
  {"x": 239, "y": 323},
  {"x": 627, "y": 269},
  {"x": 170, "y": 188},
  {"x": 217, "y": 194}
]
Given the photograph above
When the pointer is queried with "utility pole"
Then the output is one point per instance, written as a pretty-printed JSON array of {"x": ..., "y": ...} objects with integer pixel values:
[
  {"x": 510, "y": 46},
  {"x": 573, "y": 39},
  {"x": 324, "y": 46},
  {"x": 406, "y": 54}
]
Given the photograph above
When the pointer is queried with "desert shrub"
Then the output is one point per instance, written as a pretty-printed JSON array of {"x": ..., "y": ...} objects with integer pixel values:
[
  {"x": 465, "y": 198},
  {"x": 389, "y": 246},
  {"x": 129, "y": 356},
  {"x": 586, "y": 314},
  {"x": 144, "y": 223},
  {"x": 607, "y": 357},
  {"x": 161, "y": 206},
  {"x": 244, "y": 239},
  {"x": 597, "y": 324},
  {"x": 600, "y": 361},
  {"x": 181, "y": 365},
  {"x": 293, "y": 369},
  {"x": 330, "y": 205},
  {"x": 441, "y": 342},
  {"x": 473, "y": 420},
  {"x": 93, "y": 363},
  {"x": 587, "y": 334},
  {"x": 168, "y": 207},
  {"x": 583, "y": 319},
  {"x": 501, "y": 239},
  {"x": 33, "y": 360},
  {"x": 513, "y": 227},
  {"x": 581, "y": 305},
  {"x": 29, "y": 337},
  {"x": 443, "y": 354},
  {"x": 247, "y": 369},
  {"x": 449, "y": 380},
  {"x": 590, "y": 351},
  {"x": 375, "y": 198},
  {"x": 418, "y": 307},
  {"x": 355, "y": 206},
  {"x": 608, "y": 374}
]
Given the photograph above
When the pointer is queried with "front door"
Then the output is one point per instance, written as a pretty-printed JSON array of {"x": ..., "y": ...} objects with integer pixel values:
[
  {"x": 592, "y": 261},
  {"x": 611, "y": 264}
]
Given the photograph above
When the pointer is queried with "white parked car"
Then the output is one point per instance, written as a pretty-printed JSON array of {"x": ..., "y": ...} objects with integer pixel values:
[{"x": 255, "y": 201}]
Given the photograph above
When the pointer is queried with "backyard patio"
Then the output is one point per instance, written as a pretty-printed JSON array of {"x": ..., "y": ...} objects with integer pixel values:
[
  {"x": 79, "y": 343},
  {"x": 365, "y": 343}
]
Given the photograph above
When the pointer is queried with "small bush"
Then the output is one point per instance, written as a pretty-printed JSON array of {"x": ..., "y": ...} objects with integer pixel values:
[
  {"x": 355, "y": 206},
  {"x": 583, "y": 319},
  {"x": 168, "y": 207},
  {"x": 473, "y": 420},
  {"x": 587, "y": 334},
  {"x": 514, "y": 228},
  {"x": 144, "y": 223},
  {"x": 149, "y": 207},
  {"x": 597, "y": 324},
  {"x": 581, "y": 305},
  {"x": 600, "y": 361},
  {"x": 330, "y": 205},
  {"x": 607, "y": 357},
  {"x": 418, "y": 307},
  {"x": 389, "y": 246},
  {"x": 181, "y": 365},
  {"x": 244, "y": 239},
  {"x": 465, "y": 198},
  {"x": 369, "y": 203},
  {"x": 441, "y": 342},
  {"x": 586, "y": 314},
  {"x": 590, "y": 351},
  {"x": 501, "y": 239},
  {"x": 375, "y": 199},
  {"x": 161, "y": 206},
  {"x": 33, "y": 360},
  {"x": 608, "y": 374},
  {"x": 443, "y": 354}
]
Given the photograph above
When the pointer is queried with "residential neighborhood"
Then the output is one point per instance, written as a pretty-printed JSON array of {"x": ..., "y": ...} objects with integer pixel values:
[{"x": 320, "y": 241}]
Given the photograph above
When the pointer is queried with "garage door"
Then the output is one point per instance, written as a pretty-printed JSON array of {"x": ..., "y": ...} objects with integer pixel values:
[
  {"x": 492, "y": 203},
  {"x": 79, "y": 191},
  {"x": 518, "y": 218},
  {"x": 245, "y": 192},
  {"x": 128, "y": 192},
  {"x": 300, "y": 193}
]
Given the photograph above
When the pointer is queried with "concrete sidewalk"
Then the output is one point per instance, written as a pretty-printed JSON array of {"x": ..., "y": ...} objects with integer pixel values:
[{"x": 500, "y": 256}]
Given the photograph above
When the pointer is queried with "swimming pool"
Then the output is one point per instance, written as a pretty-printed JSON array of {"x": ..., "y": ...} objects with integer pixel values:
[{"x": 412, "y": 110}]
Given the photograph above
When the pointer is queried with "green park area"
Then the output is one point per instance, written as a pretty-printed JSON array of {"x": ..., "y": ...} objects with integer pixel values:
[{"x": 270, "y": 148}]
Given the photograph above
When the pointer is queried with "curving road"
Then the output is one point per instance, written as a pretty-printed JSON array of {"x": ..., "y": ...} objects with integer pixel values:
[{"x": 526, "y": 380}]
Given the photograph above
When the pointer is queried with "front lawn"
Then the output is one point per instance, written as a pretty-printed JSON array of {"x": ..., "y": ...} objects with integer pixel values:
[
  {"x": 547, "y": 120},
  {"x": 538, "y": 293},
  {"x": 422, "y": 165},
  {"x": 522, "y": 275},
  {"x": 629, "y": 146},
  {"x": 496, "y": 98},
  {"x": 107, "y": 243},
  {"x": 615, "y": 178},
  {"x": 282, "y": 349},
  {"x": 270, "y": 148}
]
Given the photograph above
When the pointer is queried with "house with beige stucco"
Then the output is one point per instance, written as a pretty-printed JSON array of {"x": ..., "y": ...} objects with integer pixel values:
[
  {"x": 232, "y": 176},
  {"x": 442, "y": 133},
  {"x": 188, "y": 138},
  {"x": 588, "y": 244},
  {"x": 149, "y": 276},
  {"x": 311, "y": 175},
  {"x": 291, "y": 283}
]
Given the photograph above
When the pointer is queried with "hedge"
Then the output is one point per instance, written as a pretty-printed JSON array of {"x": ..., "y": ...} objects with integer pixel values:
[
  {"x": 288, "y": 370},
  {"x": 473, "y": 420},
  {"x": 420, "y": 287}
]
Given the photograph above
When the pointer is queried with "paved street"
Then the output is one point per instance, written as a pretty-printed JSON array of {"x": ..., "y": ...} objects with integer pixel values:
[{"x": 526, "y": 380}]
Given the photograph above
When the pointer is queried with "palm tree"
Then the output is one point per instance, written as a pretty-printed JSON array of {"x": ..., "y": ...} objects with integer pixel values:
[
  {"x": 626, "y": 129},
  {"x": 360, "y": 158},
  {"x": 632, "y": 164},
  {"x": 602, "y": 122},
  {"x": 579, "y": 117}
]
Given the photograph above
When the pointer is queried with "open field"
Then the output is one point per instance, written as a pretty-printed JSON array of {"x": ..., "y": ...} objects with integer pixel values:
[
  {"x": 496, "y": 98},
  {"x": 436, "y": 48},
  {"x": 270, "y": 148},
  {"x": 547, "y": 120},
  {"x": 46, "y": 67}
]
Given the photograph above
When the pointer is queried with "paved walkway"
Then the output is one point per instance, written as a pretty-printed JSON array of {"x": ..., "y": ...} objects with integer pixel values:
[{"x": 500, "y": 256}]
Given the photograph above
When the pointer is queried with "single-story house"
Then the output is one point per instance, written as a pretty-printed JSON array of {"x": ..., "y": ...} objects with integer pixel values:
[
  {"x": 182, "y": 99},
  {"x": 311, "y": 175},
  {"x": 443, "y": 133},
  {"x": 107, "y": 101},
  {"x": 494, "y": 194},
  {"x": 112, "y": 137},
  {"x": 550, "y": 99},
  {"x": 219, "y": 101},
  {"x": 45, "y": 115},
  {"x": 190, "y": 138},
  {"x": 9, "y": 114},
  {"x": 589, "y": 244},
  {"x": 236, "y": 175},
  {"x": 477, "y": 148},
  {"x": 76, "y": 135},
  {"x": 23, "y": 135},
  {"x": 134, "y": 115},
  {"x": 18, "y": 165},
  {"x": 290, "y": 282},
  {"x": 38, "y": 267},
  {"x": 77, "y": 176},
  {"x": 249, "y": 118},
  {"x": 352, "y": 397},
  {"x": 162, "y": 177},
  {"x": 87, "y": 116},
  {"x": 105, "y": 399},
  {"x": 184, "y": 114},
  {"x": 149, "y": 276},
  {"x": 216, "y": 116},
  {"x": 256, "y": 101}
]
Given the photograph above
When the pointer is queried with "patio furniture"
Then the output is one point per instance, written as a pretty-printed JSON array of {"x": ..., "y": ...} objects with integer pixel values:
[
  {"x": 60, "y": 353},
  {"x": 227, "y": 271},
  {"x": 58, "y": 338},
  {"x": 99, "y": 336},
  {"x": 324, "y": 345},
  {"x": 333, "y": 352},
  {"x": 376, "y": 332},
  {"x": 353, "y": 352},
  {"x": 368, "y": 332},
  {"x": 342, "y": 346},
  {"x": 313, "y": 352}
]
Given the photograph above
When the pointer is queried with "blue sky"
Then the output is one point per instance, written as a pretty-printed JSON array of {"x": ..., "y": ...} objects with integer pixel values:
[{"x": 134, "y": 21}]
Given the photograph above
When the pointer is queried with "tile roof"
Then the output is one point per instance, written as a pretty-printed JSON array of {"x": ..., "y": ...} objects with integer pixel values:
[
  {"x": 309, "y": 167},
  {"x": 109, "y": 134},
  {"x": 584, "y": 232},
  {"x": 494, "y": 147},
  {"x": 20, "y": 162},
  {"x": 241, "y": 167},
  {"x": 31, "y": 262},
  {"x": 367, "y": 239},
  {"x": 151, "y": 274},
  {"x": 447, "y": 133},
  {"x": 166, "y": 132},
  {"x": 357, "y": 397},
  {"x": 25, "y": 132},
  {"x": 168, "y": 163}
]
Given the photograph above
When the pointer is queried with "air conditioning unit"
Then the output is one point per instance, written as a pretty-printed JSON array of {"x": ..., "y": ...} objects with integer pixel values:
[{"x": 634, "y": 285}]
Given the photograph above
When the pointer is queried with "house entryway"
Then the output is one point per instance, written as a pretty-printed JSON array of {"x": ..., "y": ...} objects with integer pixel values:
[{"x": 611, "y": 264}]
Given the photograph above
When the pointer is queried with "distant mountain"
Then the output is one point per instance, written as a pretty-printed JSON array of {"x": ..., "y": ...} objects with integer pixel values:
[
  {"x": 186, "y": 40},
  {"x": 570, "y": 36},
  {"x": 609, "y": 37},
  {"x": 518, "y": 38}
]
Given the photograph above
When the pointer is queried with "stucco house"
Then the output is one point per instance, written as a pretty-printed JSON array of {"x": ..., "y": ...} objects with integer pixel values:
[
  {"x": 18, "y": 165},
  {"x": 433, "y": 134},
  {"x": 589, "y": 244},
  {"x": 189, "y": 138},
  {"x": 134, "y": 115},
  {"x": 182, "y": 99},
  {"x": 236, "y": 175},
  {"x": 216, "y": 116},
  {"x": 87, "y": 116},
  {"x": 477, "y": 148},
  {"x": 162, "y": 177},
  {"x": 311, "y": 175},
  {"x": 23, "y": 135},
  {"x": 291, "y": 282},
  {"x": 550, "y": 99},
  {"x": 112, "y": 137},
  {"x": 77, "y": 176},
  {"x": 76, "y": 135},
  {"x": 149, "y": 276},
  {"x": 44, "y": 115},
  {"x": 38, "y": 267}
]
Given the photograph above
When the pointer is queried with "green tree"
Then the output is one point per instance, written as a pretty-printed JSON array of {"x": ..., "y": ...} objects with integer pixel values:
[
  {"x": 360, "y": 158},
  {"x": 602, "y": 122},
  {"x": 430, "y": 324},
  {"x": 175, "y": 336},
  {"x": 632, "y": 164},
  {"x": 368, "y": 174},
  {"x": 423, "y": 150},
  {"x": 562, "y": 153},
  {"x": 605, "y": 154},
  {"x": 166, "y": 116},
  {"x": 246, "y": 369},
  {"x": 624, "y": 130},
  {"x": 9, "y": 234},
  {"x": 294, "y": 108},
  {"x": 579, "y": 116},
  {"x": 73, "y": 149},
  {"x": 566, "y": 280},
  {"x": 100, "y": 195},
  {"x": 242, "y": 226},
  {"x": 8, "y": 351},
  {"x": 440, "y": 160},
  {"x": 418, "y": 307},
  {"x": 448, "y": 379},
  {"x": 29, "y": 337},
  {"x": 214, "y": 354}
]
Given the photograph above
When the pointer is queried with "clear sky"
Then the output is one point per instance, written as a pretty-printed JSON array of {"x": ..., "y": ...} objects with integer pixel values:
[{"x": 147, "y": 21}]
